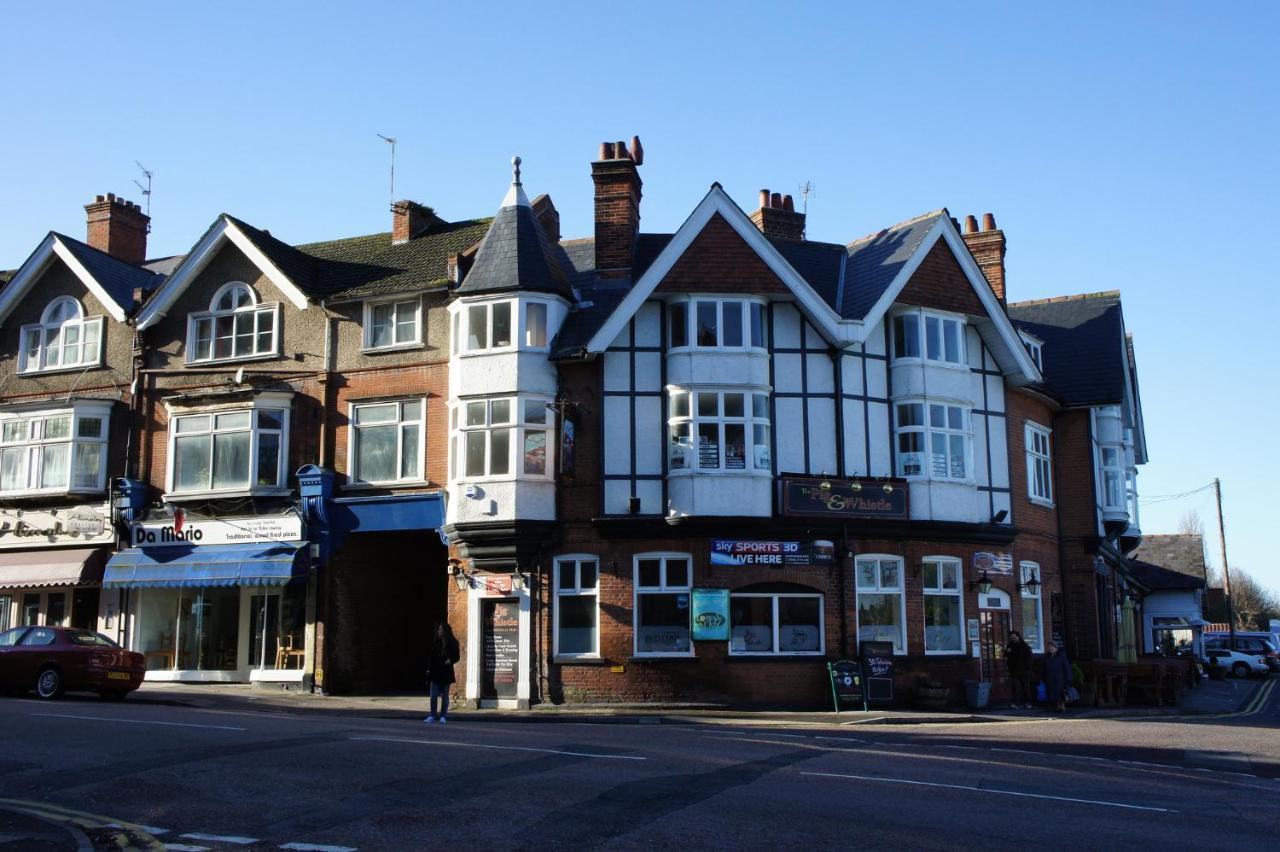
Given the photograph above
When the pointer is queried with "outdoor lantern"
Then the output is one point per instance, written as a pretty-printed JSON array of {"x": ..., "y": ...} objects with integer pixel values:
[
  {"x": 983, "y": 583},
  {"x": 517, "y": 580},
  {"x": 1033, "y": 584},
  {"x": 462, "y": 581}
]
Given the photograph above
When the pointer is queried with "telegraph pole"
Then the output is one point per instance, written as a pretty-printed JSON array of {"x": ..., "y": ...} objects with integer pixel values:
[{"x": 1226, "y": 571}]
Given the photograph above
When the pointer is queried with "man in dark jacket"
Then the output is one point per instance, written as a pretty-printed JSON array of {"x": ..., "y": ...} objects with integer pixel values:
[
  {"x": 444, "y": 653},
  {"x": 1018, "y": 654},
  {"x": 1057, "y": 676}
]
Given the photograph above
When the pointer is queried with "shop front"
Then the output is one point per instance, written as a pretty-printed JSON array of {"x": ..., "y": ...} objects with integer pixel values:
[{"x": 51, "y": 563}]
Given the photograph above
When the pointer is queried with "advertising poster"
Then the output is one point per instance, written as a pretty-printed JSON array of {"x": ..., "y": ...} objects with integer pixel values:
[
  {"x": 710, "y": 615},
  {"x": 776, "y": 553}
]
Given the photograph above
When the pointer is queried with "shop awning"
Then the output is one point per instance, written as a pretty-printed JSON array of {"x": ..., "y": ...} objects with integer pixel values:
[
  {"x": 28, "y": 569},
  {"x": 270, "y": 564}
]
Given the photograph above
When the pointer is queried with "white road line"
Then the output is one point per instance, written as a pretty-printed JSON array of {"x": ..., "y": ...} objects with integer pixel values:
[
  {"x": 138, "y": 721},
  {"x": 185, "y": 847},
  {"x": 152, "y": 830},
  {"x": 987, "y": 791},
  {"x": 500, "y": 748},
  {"x": 221, "y": 838},
  {"x": 316, "y": 847}
]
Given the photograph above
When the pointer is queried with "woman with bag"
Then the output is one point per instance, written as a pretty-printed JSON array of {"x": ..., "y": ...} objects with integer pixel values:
[
  {"x": 444, "y": 653},
  {"x": 1057, "y": 676},
  {"x": 1018, "y": 655}
]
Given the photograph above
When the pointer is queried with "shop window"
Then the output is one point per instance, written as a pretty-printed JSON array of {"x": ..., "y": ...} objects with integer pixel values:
[
  {"x": 63, "y": 339},
  {"x": 55, "y": 610},
  {"x": 934, "y": 441},
  {"x": 719, "y": 430},
  {"x": 54, "y": 451},
  {"x": 717, "y": 324},
  {"x": 1032, "y": 611},
  {"x": 30, "y": 609},
  {"x": 943, "y": 606},
  {"x": 387, "y": 442},
  {"x": 1039, "y": 464},
  {"x": 240, "y": 450},
  {"x": 933, "y": 337},
  {"x": 486, "y": 433},
  {"x": 6, "y": 611},
  {"x": 663, "y": 584},
  {"x": 234, "y": 327},
  {"x": 775, "y": 623},
  {"x": 279, "y": 619},
  {"x": 576, "y": 606},
  {"x": 196, "y": 629},
  {"x": 881, "y": 604},
  {"x": 393, "y": 324}
]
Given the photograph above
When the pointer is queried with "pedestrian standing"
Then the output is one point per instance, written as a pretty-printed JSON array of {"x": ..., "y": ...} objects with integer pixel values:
[
  {"x": 1057, "y": 676},
  {"x": 1018, "y": 653},
  {"x": 444, "y": 653}
]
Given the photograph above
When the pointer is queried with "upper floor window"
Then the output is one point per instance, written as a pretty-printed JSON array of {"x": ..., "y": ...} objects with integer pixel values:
[
  {"x": 1039, "y": 464},
  {"x": 394, "y": 324},
  {"x": 1111, "y": 460},
  {"x": 934, "y": 440},
  {"x": 234, "y": 450},
  {"x": 717, "y": 323},
  {"x": 64, "y": 338},
  {"x": 387, "y": 441},
  {"x": 719, "y": 430},
  {"x": 54, "y": 451},
  {"x": 489, "y": 326},
  {"x": 487, "y": 432},
  {"x": 1034, "y": 348},
  {"x": 235, "y": 326},
  {"x": 933, "y": 337}
]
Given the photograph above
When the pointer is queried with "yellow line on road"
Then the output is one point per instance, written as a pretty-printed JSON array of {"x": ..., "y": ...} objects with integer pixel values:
[{"x": 131, "y": 836}]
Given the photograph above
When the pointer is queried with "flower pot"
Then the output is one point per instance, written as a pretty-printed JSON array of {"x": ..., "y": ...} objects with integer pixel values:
[{"x": 977, "y": 693}]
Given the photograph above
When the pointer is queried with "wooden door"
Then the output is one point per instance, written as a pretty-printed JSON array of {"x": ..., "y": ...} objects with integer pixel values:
[{"x": 993, "y": 636}]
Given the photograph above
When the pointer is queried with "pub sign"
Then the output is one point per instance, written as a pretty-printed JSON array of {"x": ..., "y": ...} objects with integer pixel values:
[{"x": 830, "y": 497}]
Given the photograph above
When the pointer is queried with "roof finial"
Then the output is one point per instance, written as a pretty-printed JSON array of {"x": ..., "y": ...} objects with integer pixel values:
[
  {"x": 515, "y": 170},
  {"x": 515, "y": 193}
]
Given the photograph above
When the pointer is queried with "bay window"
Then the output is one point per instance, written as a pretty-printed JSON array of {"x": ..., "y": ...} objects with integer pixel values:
[
  {"x": 765, "y": 623},
  {"x": 717, "y": 323},
  {"x": 54, "y": 451},
  {"x": 1113, "y": 478},
  {"x": 934, "y": 441},
  {"x": 663, "y": 585},
  {"x": 393, "y": 324},
  {"x": 535, "y": 325},
  {"x": 719, "y": 430},
  {"x": 63, "y": 339},
  {"x": 488, "y": 326},
  {"x": 881, "y": 604},
  {"x": 1032, "y": 612},
  {"x": 933, "y": 337},
  {"x": 502, "y": 325},
  {"x": 387, "y": 441},
  {"x": 486, "y": 433},
  {"x": 943, "y": 606},
  {"x": 228, "y": 450},
  {"x": 1039, "y": 464},
  {"x": 576, "y": 608},
  {"x": 235, "y": 326}
]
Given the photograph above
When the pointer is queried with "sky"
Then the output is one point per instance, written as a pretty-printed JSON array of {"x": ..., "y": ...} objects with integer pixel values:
[{"x": 1120, "y": 146}]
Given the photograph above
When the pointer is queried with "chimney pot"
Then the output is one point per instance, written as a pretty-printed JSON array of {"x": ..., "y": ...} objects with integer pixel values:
[
  {"x": 971, "y": 224},
  {"x": 988, "y": 222},
  {"x": 988, "y": 249},
  {"x": 788, "y": 204},
  {"x": 617, "y": 206},
  {"x": 764, "y": 198},
  {"x": 111, "y": 196},
  {"x": 100, "y": 198},
  {"x": 117, "y": 227},
  {"x": 775, "y": 200},
  {"x": 604, "y": 151},
  {"x": 620, "y": 148},
  {"x": 637, "y": 151}
]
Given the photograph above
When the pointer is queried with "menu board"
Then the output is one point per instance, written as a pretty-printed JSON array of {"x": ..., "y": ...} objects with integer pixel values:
[
  {"x": 877, "y": 668},
  {"x": 846, "y": 684},
  {"x": 500, "y": 623}
]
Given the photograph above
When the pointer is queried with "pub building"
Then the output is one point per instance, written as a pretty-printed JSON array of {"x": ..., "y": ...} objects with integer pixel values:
[{"x": 694, "y": 466}]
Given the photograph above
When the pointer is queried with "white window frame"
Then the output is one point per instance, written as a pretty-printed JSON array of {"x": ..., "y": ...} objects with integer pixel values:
[
  {"x": 1108, "y": 471},
  {"x": 928, "y": 431},
  {"x": 266, "y": 401},
  {"x": 899, "y": 646},
  {"x": 747, "y": 306},
  {"x": 521, "y": 426},
  {"x": 684, "y": 438},
  {"x": 415, "y": 341},
  {"x": 1035, "y": 349},
  {"x": 637, "y": 591},
  {"x": 777, "y": 626},
  {"x": 38, "y": 340},
  {"x": 1026, "y": 570},
  {"x": 939, "y": 591},
  {"x": 33, "y": 444},
  {"x": 465, "y": 309},
  {"x": 254, "y": 308},
  {"x": 525, "y": 306},
  {"x": 1039, "y": 445},
  {"x": 922, "y": 320},
  {"x": 574, "y": 562},
  {"x": 353, "y": 439}
]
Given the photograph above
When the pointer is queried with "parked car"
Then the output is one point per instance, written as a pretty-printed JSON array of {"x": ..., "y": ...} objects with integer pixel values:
[
  {"x": 51, "y": 660},
  {"x": 1237, "y": 662},
  {"x": 1251, "y": 643}
]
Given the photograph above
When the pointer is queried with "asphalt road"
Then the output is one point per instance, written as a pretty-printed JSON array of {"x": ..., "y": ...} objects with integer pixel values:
[{"x": 153, "y": 776}]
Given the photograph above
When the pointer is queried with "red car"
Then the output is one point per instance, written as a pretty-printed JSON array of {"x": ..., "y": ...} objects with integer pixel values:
[{"x": 51, "y": 660}]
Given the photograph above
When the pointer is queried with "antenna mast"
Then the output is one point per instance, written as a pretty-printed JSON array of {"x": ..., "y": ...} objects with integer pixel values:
[
  {"x": 807, "y": 191},
  {"x": 146, "y": 190},
  {"x": 390, "y": 140}
]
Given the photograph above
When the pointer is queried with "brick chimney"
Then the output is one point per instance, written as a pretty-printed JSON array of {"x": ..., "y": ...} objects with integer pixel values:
[
  {"x": 777, "y": 217},
  {"x": 118, "y": 227},
  {"x": 618, "y": 187},
  {"x": 987, "y": 247},
  {"x": 409, "y": 218},
  {"x": 548, "y": 217}
]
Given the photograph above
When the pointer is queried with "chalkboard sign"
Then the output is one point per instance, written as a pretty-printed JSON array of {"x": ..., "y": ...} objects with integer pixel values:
[
  {"x": 500, "y": 626},
  {"x": 846, "y": 683},
  {"x": 877, "y": 668}
]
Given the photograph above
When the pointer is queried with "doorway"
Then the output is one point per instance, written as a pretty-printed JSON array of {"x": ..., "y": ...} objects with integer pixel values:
[
  {"x": 993, "y": 636},
  {"x": 500, "y": 635}
]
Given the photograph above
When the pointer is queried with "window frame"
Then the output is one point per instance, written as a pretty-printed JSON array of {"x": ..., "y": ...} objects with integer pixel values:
[
  {"x": 664, "y": 588},
  {"x": 693, "y": 420},
  {"x": 520, "y": 427},
  {"x": 922, "y": 318},
  {"x": 33, "y": 465},
  {"x": 749, "y": 307},
  {"x": 926, "y": 429},
  {"x": 515, "y": 319},
  {"x": 1120, "y": 472},
  {"x": 47, "y": 328},
  {"x": 1032, "y": 433},
  {"x": 1035, "y": 349},
  {"x": 777, "y": 624},
  {"x": 559, "y": 563},
  {"x": 353, "y": 441},
  {"x": 1038, "y": 597},
  {"x": 263, "y": 402},
  {"x": 370, "y": 305},
  {"x": 256, "y": 308},
  {"x": 927, "y": 591},
  {"x": 880, "y": 589}
]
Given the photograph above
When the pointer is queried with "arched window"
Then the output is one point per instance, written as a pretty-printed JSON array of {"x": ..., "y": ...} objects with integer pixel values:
[
  {"x": 62, "y": 339},
  {"x": 235, "y": 326}
]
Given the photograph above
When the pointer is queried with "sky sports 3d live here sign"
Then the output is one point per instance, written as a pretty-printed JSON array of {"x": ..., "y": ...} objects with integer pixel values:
[
  {"x": 798, "y": 554},
  {"x": 218, "y": 531}
]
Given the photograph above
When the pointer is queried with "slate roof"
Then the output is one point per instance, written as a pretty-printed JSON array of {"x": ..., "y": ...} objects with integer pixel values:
[
  {"x": 1157, "y": 578},
  {"x": 516, "y": 255},
  {"x": 118, "y": 278},
  {"x": 1084, "y": 345},
  {"x": 1182, "y": 553},
  {"x": 876, "y": 259}
]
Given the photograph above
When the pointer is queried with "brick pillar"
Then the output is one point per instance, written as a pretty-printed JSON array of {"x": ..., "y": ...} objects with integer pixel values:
[{"x": 618, "y": 189}]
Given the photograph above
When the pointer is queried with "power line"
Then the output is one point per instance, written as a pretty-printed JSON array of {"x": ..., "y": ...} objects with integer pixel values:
[{"x": 1164, "y": 498}]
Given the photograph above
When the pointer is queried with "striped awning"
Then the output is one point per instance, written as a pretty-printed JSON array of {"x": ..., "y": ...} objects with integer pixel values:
[
  {"x": 269, "y": 564},
  {"x": 29, "y": 569}
]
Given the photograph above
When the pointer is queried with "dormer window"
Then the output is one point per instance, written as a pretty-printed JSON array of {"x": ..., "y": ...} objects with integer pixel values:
[
  {"x": 64, "y": 339},
  {"x": 930, "y": 336},
  {"x": 236, "y": 326},
  {"x": 1035, "y": 349},
  {"x": 395, "y": 324}
]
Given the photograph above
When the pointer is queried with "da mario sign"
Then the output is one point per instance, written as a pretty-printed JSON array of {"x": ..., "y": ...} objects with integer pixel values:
[{"x": 218, "y": 531}]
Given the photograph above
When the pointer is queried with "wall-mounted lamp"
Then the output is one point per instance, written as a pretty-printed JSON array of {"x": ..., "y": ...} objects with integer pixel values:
[
  {"x": 1032, "y": 586},
  {"x": 855, "y": 487},
  {"x": 460, "y": 576},
  {"x": 520, "y": 580},
  {"x": 983, "y": 583},
  {"x": 888, "y": 489}
]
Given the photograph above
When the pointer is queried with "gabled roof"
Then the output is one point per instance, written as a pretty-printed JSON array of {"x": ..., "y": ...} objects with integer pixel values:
[
  {"x": 1178, "y": 553},
  {"x": 515, "y": 253},
  {"x": 876, "y": 261},
  {"x": 111, "y": 280},
  {"x": 1158, "y": 578},
  {"x": 1085, "y": 351}
]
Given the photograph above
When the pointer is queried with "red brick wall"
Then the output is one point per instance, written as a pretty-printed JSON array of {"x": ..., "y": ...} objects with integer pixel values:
[
  {"x": 940, "y": 283},
  {"x": 720, "y": 261}
]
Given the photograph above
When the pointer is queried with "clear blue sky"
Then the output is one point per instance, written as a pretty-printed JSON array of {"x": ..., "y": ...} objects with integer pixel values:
[{"x": 1130, "y": 146}]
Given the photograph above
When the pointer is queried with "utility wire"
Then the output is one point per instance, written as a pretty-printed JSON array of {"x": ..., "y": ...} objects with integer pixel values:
[{"x": 1164, "y": 498}]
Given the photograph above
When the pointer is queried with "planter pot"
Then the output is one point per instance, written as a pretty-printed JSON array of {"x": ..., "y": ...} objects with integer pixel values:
[
  {"x": 931, "y": 697},
  {"x": 977, "y": 693}
]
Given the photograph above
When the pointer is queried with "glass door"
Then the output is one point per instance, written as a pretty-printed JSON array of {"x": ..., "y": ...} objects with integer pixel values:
[{"x": 264, "y": 640}]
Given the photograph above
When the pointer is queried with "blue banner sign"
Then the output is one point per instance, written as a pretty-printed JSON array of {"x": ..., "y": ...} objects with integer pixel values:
[{"x": 795, "y": 554}]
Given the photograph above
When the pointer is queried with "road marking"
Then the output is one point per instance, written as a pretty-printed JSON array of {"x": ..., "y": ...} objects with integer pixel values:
[
  {"x": 500, "y": 748},
  {"x": 149, "y": 829},
  {"x": 138, "y": 721},
  {"x": 185, "y": 847},
  {"x": 221, "y": 838},
  {"x": 316, "y": 847},
  {"x": 987, "y": 791}
]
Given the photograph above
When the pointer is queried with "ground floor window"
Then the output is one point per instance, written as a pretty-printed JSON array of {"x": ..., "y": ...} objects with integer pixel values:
[
  {"x": 1032, "y": 614},
  {"x": 30, "y": 609},
  {"x": 775, "y": 623},
  {"x": 190, "y": 629},
  {"x": 881, "y": 606},
  {"x": 663, "y": 585},
  {"x": 943, "y": 606},
  {"x": 576, "y": 611},
  {"x": 279, "y": 621}
]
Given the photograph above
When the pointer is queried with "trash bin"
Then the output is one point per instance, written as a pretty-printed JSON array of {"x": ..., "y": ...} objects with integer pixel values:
[{"x": 977, "y": 693}]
